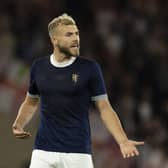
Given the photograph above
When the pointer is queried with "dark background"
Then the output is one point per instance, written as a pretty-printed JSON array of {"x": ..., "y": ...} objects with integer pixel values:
[{"x": 129, "y": 39}]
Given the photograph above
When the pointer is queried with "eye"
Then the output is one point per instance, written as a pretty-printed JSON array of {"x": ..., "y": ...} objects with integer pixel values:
[{"x": 68, "y": 34}]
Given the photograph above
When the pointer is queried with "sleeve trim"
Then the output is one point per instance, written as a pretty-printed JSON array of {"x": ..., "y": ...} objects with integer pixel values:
[
  {"x": 32, "y": 95},
  {"x": 99, "y": 97}
]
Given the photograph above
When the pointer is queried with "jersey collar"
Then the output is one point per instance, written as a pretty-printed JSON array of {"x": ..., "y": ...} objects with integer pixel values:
[{"x": 62, "y": 64}]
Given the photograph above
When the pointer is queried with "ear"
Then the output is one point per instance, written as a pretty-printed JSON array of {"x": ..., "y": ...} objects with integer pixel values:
[{"x": 54, "y": 40}]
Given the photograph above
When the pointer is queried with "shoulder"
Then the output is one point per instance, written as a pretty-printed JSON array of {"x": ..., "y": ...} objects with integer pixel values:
[
  {"x": 40, "y": 62},
  {"x": 87, "y": 61}
]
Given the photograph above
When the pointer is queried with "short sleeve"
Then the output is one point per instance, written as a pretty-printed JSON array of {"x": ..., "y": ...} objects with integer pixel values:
[
  {"x": 97, "y": 84},
  {"x": 33, "y": 89}
]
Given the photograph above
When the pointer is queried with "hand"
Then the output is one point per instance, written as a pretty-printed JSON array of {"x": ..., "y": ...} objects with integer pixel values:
[
  {"x": 128, "y": 148},
  {"x": 20, "y": 133}
]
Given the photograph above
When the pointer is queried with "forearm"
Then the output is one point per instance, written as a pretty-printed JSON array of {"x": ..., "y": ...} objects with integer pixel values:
[
  {"x": 113, "y": 124},
  {"x": 25, "y": 113}
]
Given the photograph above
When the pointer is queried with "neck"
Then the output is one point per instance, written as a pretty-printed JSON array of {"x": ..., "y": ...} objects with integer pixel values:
[{"x": 60, "y": 57}]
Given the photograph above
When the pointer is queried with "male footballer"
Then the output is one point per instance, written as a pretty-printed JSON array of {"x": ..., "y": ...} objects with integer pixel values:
[{"x": 65, "y": 84}]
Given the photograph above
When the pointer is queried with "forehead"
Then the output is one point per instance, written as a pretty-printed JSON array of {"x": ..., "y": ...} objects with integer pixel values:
[{"x": 67, "y": 28}]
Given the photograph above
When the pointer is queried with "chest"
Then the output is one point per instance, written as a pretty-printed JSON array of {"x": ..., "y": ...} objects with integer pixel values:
[{"x": 65, "y": 82}]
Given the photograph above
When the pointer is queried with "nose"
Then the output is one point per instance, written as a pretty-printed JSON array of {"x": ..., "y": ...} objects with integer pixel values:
[
  {"x": 75, "y": 38},
  {"x": 75, "y": 41}
]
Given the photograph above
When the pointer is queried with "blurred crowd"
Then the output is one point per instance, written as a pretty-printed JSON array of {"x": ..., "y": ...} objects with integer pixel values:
[{"x": 128, "y": 38}]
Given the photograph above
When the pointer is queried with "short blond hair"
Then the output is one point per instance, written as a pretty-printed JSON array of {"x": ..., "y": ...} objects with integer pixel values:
[{"x": 63, "y": 19}]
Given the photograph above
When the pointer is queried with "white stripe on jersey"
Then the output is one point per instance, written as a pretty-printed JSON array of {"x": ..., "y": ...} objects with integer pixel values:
[
  {"x": 32, "y": 96},
  {"x": 99, "y": 97}
]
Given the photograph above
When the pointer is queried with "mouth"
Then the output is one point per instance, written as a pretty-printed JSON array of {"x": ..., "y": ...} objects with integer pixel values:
[{"x": 74, "y": 46}]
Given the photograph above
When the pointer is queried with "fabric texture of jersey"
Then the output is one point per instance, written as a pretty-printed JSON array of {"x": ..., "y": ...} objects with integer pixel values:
[{"x": 65, "y": 96}]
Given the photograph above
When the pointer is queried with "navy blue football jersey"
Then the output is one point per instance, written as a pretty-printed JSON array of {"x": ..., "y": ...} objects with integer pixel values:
[{"x": 66, "y": 93}]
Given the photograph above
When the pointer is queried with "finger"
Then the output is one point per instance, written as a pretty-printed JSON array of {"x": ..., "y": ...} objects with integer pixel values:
[
  {"x": 20, "y": 136},
  {"x": 132, "y": 154},
  {"x": 128, "y": 155},
  {"x": 124, "y": 155},
  {"x": 136, "y": 152},
  {"x": 138, "y": 142},
  {"x": 23, "y": 136},
  {"x": 18, "y": 131},
  {"x": 21, "y": 133}
]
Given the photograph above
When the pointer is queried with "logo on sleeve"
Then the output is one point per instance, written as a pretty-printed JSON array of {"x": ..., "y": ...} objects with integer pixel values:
[{"x": 75, "y": 77}]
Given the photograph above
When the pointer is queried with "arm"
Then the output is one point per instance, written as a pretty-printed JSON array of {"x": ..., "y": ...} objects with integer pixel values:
[
  {"x": 26, "y": 111},
  {"x": 112, "y": 122}
]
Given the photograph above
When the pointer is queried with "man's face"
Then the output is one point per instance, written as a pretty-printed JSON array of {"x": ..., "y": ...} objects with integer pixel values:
[{"x": 67, "y": 40}]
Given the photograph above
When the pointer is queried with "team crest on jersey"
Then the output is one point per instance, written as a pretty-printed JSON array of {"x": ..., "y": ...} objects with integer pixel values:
[{"x": 75, "y": 77}]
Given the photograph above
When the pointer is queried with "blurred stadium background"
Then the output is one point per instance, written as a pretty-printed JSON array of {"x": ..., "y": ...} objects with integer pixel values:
[{"x": 129, "y": 38}]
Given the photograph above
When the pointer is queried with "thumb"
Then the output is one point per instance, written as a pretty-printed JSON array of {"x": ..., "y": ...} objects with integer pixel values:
[
  {"x": 17, "y": 129},
  {"x": 138, "y": 142}
]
